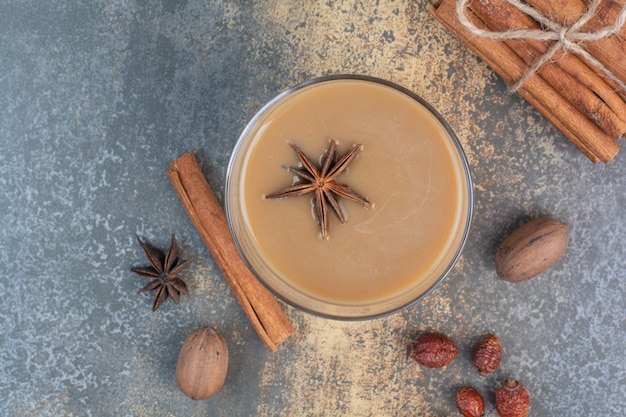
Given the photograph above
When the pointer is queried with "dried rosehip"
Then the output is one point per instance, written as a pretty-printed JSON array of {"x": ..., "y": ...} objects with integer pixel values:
[
  {"x": 487, "y": 354},
  {"x": 433, "y": 350},
  {"x": 469, "y": 402},
  {"x": 512, "y": 399}
]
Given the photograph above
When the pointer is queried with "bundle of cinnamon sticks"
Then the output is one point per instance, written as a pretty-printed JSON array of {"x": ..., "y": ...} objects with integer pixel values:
[{"x": 578, "y": 98}]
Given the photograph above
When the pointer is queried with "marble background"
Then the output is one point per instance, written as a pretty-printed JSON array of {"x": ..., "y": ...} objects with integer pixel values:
[{"x": 97, "y": 97}]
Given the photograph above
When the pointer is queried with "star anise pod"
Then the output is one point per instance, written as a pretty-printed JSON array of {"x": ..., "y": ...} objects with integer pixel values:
[
  {"x": 321, "y": 182},
  {"x": 163, "y": 273}
]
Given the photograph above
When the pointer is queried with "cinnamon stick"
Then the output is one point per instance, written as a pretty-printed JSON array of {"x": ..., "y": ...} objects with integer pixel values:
[
  {"x": 209, "y": 218},
  {"x": 579, "y": 84},
  {"x": 608, "y": 12},
  {"x": 581, "y": 131},
  {"x": 610, "y": 51}
]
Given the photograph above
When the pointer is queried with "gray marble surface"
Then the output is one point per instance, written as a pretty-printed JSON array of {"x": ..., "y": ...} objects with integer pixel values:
[{"x": 97, "y": 97}]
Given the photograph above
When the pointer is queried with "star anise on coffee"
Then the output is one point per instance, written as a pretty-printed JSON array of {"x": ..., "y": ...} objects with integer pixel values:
[
  {"x": 321, "y": 182},
  {"x": 163, "y": 273}
]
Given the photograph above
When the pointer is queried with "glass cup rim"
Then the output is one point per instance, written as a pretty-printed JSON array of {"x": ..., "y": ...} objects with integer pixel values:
[{"x": 452, "y": 136}]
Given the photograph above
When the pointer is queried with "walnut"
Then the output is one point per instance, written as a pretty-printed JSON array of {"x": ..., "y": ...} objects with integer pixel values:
[
  {"x": 531, "y": 249},
  {"x": 202, "y": 364}
]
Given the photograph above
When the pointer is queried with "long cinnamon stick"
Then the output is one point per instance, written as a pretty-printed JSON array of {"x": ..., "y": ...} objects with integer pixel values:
[
  {"x": 208, "y": 217},
  {"x": 579, "y": 84},
  {"x": 581, "y": 131}
]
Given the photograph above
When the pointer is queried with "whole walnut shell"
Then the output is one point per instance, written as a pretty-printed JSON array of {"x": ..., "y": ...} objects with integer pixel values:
[
  {"x": 512, "y": 399},
  {"x": 531, "y": 249},
  {"x": 433, "y": 350},
  {"x": 469, "y": 402},
  {"x": 487, "y": 354},
  {"x": 202, "y": 364}
]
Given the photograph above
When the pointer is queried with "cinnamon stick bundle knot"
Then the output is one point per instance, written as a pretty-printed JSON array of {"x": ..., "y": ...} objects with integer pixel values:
[{"x": 567, "y": 37}]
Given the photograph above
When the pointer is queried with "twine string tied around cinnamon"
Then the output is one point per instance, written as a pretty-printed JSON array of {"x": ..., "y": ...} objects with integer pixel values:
[{"x": 568, "y": 38}]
